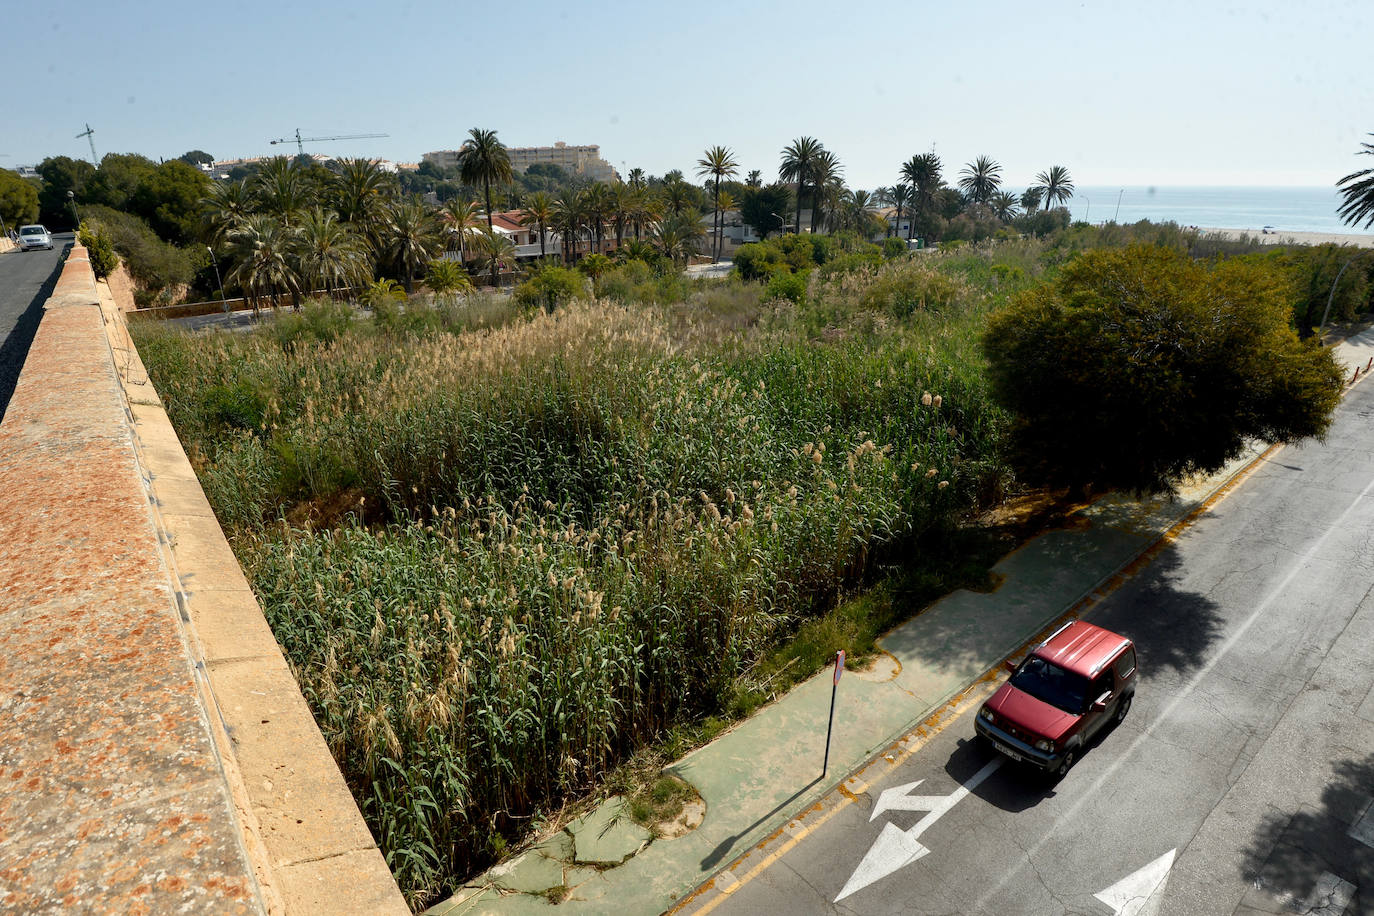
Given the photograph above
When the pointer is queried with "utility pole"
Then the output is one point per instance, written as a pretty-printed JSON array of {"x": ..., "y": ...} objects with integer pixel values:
[{"x": 90, "y": 135}]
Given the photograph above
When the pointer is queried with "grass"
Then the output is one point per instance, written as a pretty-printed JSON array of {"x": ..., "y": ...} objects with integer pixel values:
[{"x": 513, "y": 563}]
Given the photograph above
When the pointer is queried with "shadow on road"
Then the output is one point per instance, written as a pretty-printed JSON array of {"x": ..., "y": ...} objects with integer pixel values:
[
  {"x": 1291, "y": 853},
  {"x": 16, "y": 346},
  {"x": 1172, "y": 629},
  {"x": 717, "y": 855}
]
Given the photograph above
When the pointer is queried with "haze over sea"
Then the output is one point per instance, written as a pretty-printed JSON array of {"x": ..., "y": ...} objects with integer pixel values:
[{"x": 1285, "y": 209}]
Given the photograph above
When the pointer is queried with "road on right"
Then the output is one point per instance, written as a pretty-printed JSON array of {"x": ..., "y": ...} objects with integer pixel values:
[{"x": 1240, "y": 782}]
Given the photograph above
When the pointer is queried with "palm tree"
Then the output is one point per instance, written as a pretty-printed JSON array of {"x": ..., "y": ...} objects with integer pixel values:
[
  {"x": 538, "y": 213},
  {"x": 679, "y": 237},
  {"x": 262, "y": 247},
  {"x": 568, "y": 220},
  {"x": 798, "y": 160},
  {"x": 827, "y": 187},
  {"x": 1357, "y": 193},
  {"x": 483, "y": 159},
  {"x": 900, "y": 197},
  {"x": 596, "y": 207},
  {"x": 618, "y": 199},
  {"x": 281, "y": 190},
  {"x": 754, "y": 179},
  {"x": 1003, "y": 204},
  {"x": 1054, "y": 186},
  {"x": 457, "y": 217},
  {"x": 359, "y": 192},
  {"x": 636, "y": 178},
  {"x": 922, "y": 173},
  {"x": 446, "y": 279},
  {"x": 329, "y": 253},
  {"x": 225, "y": 208},
  {"x": 718, "y": 163},
  {"x": 980, "y": 179},
  {"x": 677, "y": 195},
  {"x": 1030, "y": 200},
  {"x": 495, "y": 251},
  {"x": 414, "y": 238}
]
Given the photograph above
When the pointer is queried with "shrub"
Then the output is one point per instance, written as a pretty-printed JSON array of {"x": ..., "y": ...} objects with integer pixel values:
[
  {"x": 904, "y": 287},
  {"x": 551, "y": 286},
  {"x": 894, "y": 247},
  {"x": 787, "y": 286},
  {"x": 104, "y": 261},
  {"x": 759, "y": 260}
]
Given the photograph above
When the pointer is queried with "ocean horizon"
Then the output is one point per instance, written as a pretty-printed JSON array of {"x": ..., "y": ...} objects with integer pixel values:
[{"x": 1291, "y": 209}]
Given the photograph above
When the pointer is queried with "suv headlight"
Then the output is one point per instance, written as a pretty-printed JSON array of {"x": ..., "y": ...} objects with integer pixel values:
[
  {"x": 985, "y": 714},
  {"x": 1046, "y": 745}
]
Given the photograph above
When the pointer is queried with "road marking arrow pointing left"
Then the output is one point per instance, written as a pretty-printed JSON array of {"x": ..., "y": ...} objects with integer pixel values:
[{"x": 895, "y": 848}]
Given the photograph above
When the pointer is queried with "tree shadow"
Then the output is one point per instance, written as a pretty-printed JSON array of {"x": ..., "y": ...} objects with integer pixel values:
[
  {"x": 15, "y": 348},
  {"x": 1172, "y": 628},
  {"x": 1292, "y": 855}
]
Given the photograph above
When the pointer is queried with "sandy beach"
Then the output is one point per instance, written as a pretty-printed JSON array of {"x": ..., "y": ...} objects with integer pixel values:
[{"x": 1280, "y": 237}]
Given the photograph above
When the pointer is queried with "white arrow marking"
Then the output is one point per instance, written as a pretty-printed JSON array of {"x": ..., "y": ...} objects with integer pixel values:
[
  {"x": 896, "y": 799},
  {"x": 1141, "y": 888},
  {"x": 894, "y": 848}
]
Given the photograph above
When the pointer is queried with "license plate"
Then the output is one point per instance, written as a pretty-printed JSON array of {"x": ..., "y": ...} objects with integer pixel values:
[{"x": 1002, "y": 748}]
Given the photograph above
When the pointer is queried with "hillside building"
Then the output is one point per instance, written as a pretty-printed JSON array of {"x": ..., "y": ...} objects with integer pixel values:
[{"x": 584, "y": 161}]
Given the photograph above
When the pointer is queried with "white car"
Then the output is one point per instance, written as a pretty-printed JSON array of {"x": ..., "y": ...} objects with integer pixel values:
[{"x": 34, "y": 237}]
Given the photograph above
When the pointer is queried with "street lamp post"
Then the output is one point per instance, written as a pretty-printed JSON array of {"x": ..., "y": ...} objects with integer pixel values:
[
  {"x": 1088, "y": 209},
  {"x": 1118, "y": 204},
  {"x": 71, "y": 199},
  {"x": 782, "y": 220},
  {"x": 224, "y": 303}
]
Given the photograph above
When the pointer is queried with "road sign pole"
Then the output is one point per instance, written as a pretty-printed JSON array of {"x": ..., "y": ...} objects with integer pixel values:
[{"x": 830, "y": 725}]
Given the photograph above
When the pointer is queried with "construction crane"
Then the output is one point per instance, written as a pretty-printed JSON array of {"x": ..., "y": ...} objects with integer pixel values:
[
  {"x": 89, "y": 134},
  {"x": 301, "y": 141}
]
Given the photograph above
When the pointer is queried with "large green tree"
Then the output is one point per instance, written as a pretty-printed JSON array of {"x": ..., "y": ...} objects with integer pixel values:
[
  {"x": 483, "y": 160},
  {"x": 169, "y": 198},
  {"x": 18, "y": 200},
  {"x": 922, "y": 173},
  {"x": 61, "y": 174},
  {"x": 1139, "y": 366}
]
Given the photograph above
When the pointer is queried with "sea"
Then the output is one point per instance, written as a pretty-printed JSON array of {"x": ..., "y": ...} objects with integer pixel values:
[{"x": 1284, "y": 209}]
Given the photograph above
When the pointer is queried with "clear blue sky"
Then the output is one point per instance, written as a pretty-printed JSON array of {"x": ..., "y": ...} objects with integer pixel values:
[{"x": 1122, "y": 93}]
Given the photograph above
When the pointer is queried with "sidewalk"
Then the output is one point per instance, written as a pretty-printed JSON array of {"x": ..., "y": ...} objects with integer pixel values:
[{"x": 759, "y": 774}]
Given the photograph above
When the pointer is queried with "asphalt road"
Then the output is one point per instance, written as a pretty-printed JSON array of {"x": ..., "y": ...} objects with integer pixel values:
[
  {"x": 27, "y": 279},
  {"x": 1240, "y": 782}
]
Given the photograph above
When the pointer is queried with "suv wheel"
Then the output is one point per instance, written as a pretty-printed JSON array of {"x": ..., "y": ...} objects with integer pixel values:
[
  {"x": 1123, "y": 707},
  {"x": 1066, "y": 764}
]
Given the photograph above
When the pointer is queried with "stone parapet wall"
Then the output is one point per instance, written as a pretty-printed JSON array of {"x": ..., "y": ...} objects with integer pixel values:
[{"x": 155, "y": 753}]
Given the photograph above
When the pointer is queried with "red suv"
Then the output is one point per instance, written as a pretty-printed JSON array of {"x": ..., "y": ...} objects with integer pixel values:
[{"x": 1071, "y": 685}]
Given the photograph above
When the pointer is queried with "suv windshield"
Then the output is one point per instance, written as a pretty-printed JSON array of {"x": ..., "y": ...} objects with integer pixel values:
[{"x": 1051, "y": 684}]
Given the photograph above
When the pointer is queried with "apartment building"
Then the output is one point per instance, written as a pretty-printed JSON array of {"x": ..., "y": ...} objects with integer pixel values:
[{"x": 577, "y": 160}]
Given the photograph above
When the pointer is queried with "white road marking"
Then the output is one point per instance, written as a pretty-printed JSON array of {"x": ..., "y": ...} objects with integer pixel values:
[
  {"x": 1297, "y": 568},
  {"x": 1142, "y": 888},
  {"x": 897, "y": 799},
  {"x": 895, "y": 848}
]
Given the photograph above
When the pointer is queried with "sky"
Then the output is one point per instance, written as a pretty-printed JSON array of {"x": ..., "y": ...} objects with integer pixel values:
[{"x": 1121, "y": 93}]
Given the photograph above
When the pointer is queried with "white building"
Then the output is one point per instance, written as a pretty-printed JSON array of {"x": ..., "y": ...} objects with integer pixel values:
[{"x": 582, "y": 161}]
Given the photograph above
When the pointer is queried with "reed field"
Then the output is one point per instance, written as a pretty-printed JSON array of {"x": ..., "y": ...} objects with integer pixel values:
[{"x": 501, "y": 559}]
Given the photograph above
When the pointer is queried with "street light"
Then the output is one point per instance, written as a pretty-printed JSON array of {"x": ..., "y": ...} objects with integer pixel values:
[
  {"x": 782, "y": 221},
  {"x": 1088, "y": 209},
  {"x": 1118, "y": 204},
  {"x": 71, "y": 199},
  {"x": 224, "y": 303}
]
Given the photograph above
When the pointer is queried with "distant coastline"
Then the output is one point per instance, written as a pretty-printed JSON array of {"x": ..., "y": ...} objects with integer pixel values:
[
  {"x": 1288, "y": 211},
  {"x": 1280, "y": 237}
]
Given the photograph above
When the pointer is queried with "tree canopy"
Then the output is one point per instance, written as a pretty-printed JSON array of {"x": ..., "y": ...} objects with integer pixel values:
[
  {"x": 18, "y": 200},
  {"x": 1139, "y": 366}
]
